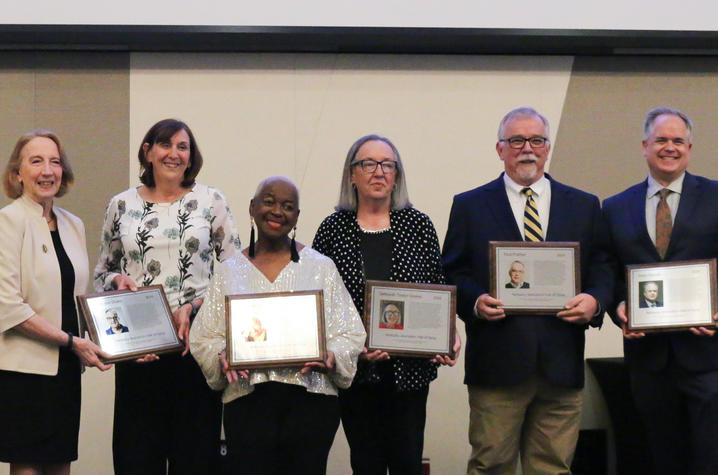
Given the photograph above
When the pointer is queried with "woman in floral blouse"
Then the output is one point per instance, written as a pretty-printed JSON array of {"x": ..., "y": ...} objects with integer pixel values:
[{"x": 168, "y": 231}]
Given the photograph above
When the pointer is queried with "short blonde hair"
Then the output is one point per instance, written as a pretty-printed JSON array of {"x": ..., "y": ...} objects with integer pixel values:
[{"x": 13, "y": 187}]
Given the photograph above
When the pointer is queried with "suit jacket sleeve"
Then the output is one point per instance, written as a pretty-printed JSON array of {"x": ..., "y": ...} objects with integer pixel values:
[
  {"x": 457, "y": 261},
  {"x": 600, "y": 276},
  {"x": 617, "y": 273}
]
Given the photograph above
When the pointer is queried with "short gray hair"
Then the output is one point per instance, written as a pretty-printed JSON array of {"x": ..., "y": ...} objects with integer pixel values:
[
  {"x": 347, "y": 193},
  {"x": 654, "y": 113},
  {"x": 522, "y": 113}
]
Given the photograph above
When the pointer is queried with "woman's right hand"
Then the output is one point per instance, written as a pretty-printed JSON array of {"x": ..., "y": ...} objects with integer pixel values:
[
  {"x": 376, "y": 355},
  {"x": 231, "y": 374},
  {"x": 122, "y": 282},
  {"x": 89, "y": 353}
]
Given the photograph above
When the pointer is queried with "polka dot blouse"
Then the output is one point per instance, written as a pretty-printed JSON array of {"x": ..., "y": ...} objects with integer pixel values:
[{"x": 416, "y": 257}]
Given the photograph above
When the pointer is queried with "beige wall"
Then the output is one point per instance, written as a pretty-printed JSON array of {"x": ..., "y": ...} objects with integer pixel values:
[
  {"x": 260, "y": 114},
  {"x": 599, "y": 141}
]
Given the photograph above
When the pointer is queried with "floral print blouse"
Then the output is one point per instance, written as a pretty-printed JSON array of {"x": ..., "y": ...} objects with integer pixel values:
[{"x": 173, "y": 244}]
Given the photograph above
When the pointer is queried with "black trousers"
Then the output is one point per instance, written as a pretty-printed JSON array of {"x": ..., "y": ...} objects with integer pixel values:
[
  {"x": 384, "y": 428},
  {"x": 167, "y": 420},
  {"x": 280, "y": 429},
  {"x": 680, "y": 412}
]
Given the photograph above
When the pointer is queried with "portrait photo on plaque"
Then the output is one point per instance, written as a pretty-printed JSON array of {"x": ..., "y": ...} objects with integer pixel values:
[
  {"x": 129, "y": 325},
  {"x": 534, "y": 277},
  {"x": 671, "y": 296},
  {"x": 410, "y": 319},
  {"x": 275, "y": 329}
]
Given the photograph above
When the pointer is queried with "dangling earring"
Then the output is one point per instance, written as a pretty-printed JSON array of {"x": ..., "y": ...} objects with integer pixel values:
[
  {"x": 293, "y": 246},
  {"x": 251, "y": 238}
]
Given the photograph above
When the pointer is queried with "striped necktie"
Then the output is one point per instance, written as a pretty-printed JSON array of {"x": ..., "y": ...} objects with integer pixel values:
[{"x": 532, "y": 223}]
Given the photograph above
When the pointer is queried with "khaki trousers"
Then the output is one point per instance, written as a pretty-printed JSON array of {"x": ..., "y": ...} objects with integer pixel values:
[{"x": 536, "y": 419}]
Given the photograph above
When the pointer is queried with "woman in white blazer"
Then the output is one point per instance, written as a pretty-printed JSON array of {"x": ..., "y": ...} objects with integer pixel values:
[{"x": 43, "y": 266}]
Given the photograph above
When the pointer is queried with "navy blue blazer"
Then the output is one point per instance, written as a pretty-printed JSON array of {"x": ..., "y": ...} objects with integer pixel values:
[
  {"x": 507, "y": 352},
  {"x": 694, "y": 236}
]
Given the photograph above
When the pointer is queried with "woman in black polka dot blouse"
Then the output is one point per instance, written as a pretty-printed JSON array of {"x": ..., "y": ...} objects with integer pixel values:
[{"x": 376, "y": 234}]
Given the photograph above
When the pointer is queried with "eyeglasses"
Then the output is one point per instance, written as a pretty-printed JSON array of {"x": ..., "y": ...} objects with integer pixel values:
[
  {"x": 369, "y": 166},
  {"x": 518, "y": 142}
]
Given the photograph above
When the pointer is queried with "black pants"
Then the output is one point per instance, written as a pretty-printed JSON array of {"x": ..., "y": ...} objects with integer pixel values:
[
  {"x": 280, "y": 429},
  {"x": 165, "y": 414},
  {"x": 384, "y": 428},
  {"x": 680, "y": 412}
]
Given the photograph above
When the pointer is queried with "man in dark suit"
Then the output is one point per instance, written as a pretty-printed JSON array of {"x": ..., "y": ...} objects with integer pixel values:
[
  {"x": 671, "y": 216},
  {"x": 524, "y": 372},
  {"x": 649, "y": 296},
  {"x": 517, "y": 272}
]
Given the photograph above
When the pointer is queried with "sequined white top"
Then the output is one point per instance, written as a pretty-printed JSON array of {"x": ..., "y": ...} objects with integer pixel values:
[{"x": 344, "y": 331}]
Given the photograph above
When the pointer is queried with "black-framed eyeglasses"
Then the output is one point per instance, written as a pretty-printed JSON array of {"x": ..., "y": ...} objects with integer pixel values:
[
  {"x": 369, "y": 166},
  {"x": 518, "y": 141}
]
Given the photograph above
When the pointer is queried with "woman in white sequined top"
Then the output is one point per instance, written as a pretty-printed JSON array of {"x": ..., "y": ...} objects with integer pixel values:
[{"x": 284, "y": 417}]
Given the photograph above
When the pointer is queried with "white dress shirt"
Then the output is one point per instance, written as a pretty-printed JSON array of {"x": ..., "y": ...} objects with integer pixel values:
[{"x": 541, "y": 189}]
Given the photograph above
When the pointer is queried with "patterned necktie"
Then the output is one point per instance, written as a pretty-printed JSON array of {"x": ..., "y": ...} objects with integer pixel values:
[
  {"x": 664, "y": 223},
  {"x": 532, "y": 224}
]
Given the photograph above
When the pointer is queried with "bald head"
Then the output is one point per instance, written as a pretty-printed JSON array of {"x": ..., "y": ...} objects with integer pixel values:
[{"x": 273, "y": 180}]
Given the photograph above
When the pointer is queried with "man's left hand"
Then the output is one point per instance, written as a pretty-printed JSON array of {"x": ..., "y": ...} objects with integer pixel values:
[{"x": 579, "y": 310}]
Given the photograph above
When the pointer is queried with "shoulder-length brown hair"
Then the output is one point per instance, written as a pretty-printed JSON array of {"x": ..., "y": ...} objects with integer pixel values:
[
  {"x": 11, "y": 183},
  {"x": 162, "y": 132}
]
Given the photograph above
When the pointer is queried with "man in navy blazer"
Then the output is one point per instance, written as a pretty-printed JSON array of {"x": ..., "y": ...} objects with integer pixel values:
[
  {"x": 524, "y": 372},
  {"x": 674, "y": 376}
]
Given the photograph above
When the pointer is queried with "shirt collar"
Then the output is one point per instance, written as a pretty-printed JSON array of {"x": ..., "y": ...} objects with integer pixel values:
[
  {"x": 654, "y": 187},
  {"x": 538, "y": 187}
]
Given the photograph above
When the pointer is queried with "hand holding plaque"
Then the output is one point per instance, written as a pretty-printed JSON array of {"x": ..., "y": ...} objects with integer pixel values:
[
  {"x": 259, "y": 334},
  {"x": 128, "y": 325},
  {"x": 534, "y": 277},
  {"x": 671, "y": 296},
  {"x": 410, "y": 319}
]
